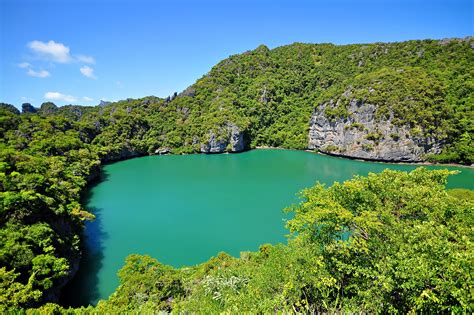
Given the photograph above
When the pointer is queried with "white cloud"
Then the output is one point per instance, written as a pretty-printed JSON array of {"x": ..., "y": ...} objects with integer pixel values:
[
  {"x": 33, "y": 73},
  {"x": 26, "y": 99},
  {"x": 56, "y": 96},
  {"x": 119, "y": 84},
  {"x": 88, "y": 72},
  {"x": 51, "y": 50},
  {"x": 24, "y": 65},
  {"x": 56, "y": 52},
  {"x": 85, "y": 59},
  {"x": 38, "y": 74}
]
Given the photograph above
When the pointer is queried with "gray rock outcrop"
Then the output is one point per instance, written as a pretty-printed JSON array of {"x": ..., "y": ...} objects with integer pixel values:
[
  {"x": 103, "y": 103},
  {"x": 123, "y": 153},
  {"x": 361, "y": 135},
  {"x": 48, "y": 108},
  {"x": 229, "y": 138},
  {"x": 28, "y": 108},
  {"x": 10, "y": 108},
  {"x": 162, "y": 151}
]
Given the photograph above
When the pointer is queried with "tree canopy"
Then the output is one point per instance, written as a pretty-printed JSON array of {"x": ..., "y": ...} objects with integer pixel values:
[{"x": 48, "y": 155}]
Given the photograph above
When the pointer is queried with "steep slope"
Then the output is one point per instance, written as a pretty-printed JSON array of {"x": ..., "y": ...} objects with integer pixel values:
[
  {"x": 416, "y": 97},
  {"x": 397, "y": 101}
]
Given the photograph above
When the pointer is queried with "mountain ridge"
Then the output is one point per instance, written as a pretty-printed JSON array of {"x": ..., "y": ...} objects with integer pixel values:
[
  {"x": 423, "y": 87},
  {"x": 407, "y": 101}
]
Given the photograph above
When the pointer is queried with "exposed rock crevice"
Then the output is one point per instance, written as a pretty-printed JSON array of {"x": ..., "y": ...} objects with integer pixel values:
[
  {"x": 361, "y": 135},
  {"x": 126, "y": 152},
  {"x": 229, "y": 138}
]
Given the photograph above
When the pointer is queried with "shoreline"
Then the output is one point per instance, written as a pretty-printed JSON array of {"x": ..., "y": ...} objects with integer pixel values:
[
  {"x": 103, "y": 163},
  {"x": 99, "y": 176},
  {"x": 388, "y": 162},
  {"x": 365, "y": 160},
  {"x": 425, "y": 163}
]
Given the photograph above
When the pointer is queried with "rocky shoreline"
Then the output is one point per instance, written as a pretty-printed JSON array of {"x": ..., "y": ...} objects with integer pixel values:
[
  {"x": 421, "y": 163},
  {"x": 315, "y": 151}
]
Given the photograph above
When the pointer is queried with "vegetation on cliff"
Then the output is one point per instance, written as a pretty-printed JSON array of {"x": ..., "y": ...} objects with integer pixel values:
[
  {"x": 392, "y": 242},
  {"x": 48, "y": 155}
]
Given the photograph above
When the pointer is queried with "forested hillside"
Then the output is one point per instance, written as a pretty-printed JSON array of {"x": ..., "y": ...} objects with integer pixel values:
[{"x": 260, "y": 98}]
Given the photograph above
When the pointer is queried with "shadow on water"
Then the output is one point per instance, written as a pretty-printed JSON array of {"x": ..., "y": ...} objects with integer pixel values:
[{"x": 83, "y": 289}]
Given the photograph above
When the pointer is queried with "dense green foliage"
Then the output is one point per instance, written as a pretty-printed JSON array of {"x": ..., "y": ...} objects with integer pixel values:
[
  {"x": 393, "y": 242},
  {"x": 44, "y": 165},
  {"x": 48, "y": 157}
]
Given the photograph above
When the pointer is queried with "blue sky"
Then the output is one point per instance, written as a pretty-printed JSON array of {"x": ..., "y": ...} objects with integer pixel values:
[{"x": 80, "y": 52}]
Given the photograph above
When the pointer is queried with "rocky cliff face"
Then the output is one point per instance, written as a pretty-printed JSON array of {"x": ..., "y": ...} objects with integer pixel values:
[
  {"x": 48, "y": 108},
  {"x": 10, "y": 108},
  {"x": 360, "y": 135},
  {"x": 28, "y": 108},
  {"x": 126, "y": 152},
  {"x": 228, "y": 139}
]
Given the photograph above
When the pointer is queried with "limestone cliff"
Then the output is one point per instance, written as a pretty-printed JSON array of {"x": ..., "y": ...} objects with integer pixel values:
[
  {"x": 227, "y": 139},
  {"x": 362, "y": 135},
  {"x": 125, "y": 152}
]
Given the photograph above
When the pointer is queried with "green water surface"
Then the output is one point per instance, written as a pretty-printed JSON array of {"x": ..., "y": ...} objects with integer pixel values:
[{"x": 183, "y": 210}]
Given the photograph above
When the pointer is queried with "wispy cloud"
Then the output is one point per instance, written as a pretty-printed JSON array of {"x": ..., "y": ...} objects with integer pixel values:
[
  {"x": 24, "y": 65},
  {"x": 119, "y": 84},
  {"x": 51, "y": 50},
  {"x": 88, "y": 72},
  {"x": 33, "y": 73},
  {"x": 26, "y": 99},
  {"x": 57, "y": 96},
  {"x": 38, "y": 74},
  {"x": 57, "y": 52},
  {"x": 85, "y": 59}
]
